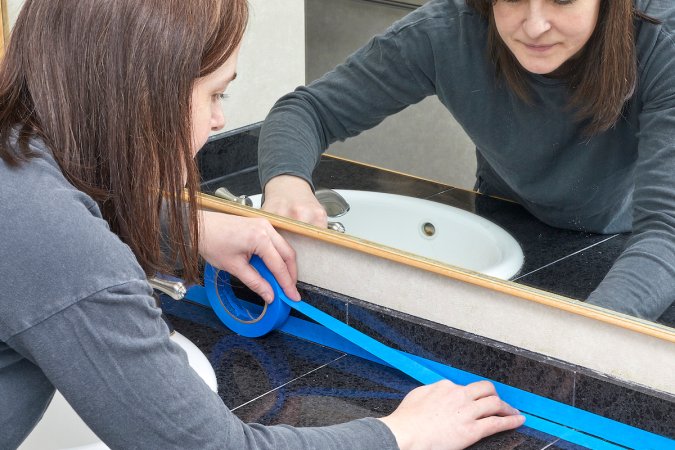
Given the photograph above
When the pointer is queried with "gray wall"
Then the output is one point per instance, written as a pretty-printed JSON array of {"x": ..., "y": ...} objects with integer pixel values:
[
  {"x": 271, "y": 61},
  {"x": 424, "y": 139}
]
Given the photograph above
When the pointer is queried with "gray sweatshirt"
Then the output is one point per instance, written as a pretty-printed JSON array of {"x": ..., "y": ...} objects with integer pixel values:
[
  {"x": 76, "y": 314},
  {"x": 618, "y": 181}
]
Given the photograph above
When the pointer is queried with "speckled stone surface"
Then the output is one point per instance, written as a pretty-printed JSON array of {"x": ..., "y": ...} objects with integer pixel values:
[
  {"x": 641, "y": 408},
  {"x": 584, "y": 269},
  {"x": 480, "y": 356},
  {"x": 281, "y": 379},
  {"x": 229, "y": 153}
]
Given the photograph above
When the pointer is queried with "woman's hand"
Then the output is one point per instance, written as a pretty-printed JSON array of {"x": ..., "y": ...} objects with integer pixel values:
[
  {"x": 446, "y": 416},
  {"x": 228, "y": 242},
  {"x": 291, "y": 196}
]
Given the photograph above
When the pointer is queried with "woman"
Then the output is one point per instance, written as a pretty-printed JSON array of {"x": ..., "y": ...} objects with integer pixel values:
[
  {"x": 569, "y": 102},
  {"x": 102, "y": 107}
]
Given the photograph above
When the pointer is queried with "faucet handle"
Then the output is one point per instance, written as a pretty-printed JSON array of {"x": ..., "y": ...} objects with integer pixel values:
[
  {"x": 174, "y": 289},
  {"x": 227, "y": 195},
  {"x": 336, "y": 226}
]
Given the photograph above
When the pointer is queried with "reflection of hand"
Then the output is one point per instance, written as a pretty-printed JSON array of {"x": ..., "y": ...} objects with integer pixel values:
[
  {"x": 444, "y": 415},
  {"x": 227, "y": 242},
  {"x": 291, "y": 196}
]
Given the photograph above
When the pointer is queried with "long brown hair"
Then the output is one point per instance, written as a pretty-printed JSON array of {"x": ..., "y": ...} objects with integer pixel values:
[
  {"x": 601, "y": 79},
  {"x": 107, "y": 86}
]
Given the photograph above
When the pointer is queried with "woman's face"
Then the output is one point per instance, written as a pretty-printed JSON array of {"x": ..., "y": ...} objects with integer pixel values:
[
  {"x": 544, "y": 34},
  {"x": 207, "y": 93}
]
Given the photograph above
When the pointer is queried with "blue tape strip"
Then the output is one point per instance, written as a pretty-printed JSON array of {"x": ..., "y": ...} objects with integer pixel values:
[{"x": 555, "y": 418}]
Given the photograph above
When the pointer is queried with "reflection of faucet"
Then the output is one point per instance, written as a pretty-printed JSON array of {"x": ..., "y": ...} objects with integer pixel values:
[
  {"x": 227, "y": 195},
  {"x": 334, "y": 204},
  {"x": 336, "y": 226}
]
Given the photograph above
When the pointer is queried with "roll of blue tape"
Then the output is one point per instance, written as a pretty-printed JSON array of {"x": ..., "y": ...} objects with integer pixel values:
[
  {"x": 558, "y": 419},
  {"x": 249, "y": 321}
]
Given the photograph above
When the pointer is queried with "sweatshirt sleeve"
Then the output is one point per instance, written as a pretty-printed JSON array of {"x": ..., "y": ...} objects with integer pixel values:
[
  {"x": 111, "y": 357},
  {"x": 375, "y": 82},
  {"x": 640, "y": 283}
]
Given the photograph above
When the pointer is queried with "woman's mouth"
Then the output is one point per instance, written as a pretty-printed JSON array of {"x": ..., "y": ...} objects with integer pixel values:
[{"x": 539, "y": 48}]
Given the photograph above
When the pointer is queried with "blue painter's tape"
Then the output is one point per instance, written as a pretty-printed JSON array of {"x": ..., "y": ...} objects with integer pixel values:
[
  {"x": 555, "y": 418},
  {"x": 234, "y": 314}
]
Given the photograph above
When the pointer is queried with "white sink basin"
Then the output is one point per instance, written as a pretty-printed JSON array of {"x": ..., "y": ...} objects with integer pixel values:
[{"x": 432, "y": 230}]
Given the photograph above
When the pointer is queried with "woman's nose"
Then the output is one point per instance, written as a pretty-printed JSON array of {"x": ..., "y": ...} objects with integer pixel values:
[
  {"x": 217, "y": 119},
  {"x": 537, "y": 21}
]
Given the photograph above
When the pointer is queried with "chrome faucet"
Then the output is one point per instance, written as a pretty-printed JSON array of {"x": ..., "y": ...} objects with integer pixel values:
[
  {"x": 336, "y": 226},
  {"x": 334, "y": 204},
  {"x": 174, "y": 289}
]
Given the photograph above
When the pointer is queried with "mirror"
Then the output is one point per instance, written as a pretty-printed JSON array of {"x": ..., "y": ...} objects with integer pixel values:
[
  {"x": 381, "y": 159},
  {"x": 387, "y": 159}
]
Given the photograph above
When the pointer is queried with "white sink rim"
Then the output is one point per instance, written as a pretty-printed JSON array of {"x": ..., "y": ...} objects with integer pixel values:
[{"x": 504, "y": 257}]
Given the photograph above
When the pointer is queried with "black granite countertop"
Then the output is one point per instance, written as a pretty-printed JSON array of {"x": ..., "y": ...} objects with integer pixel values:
[{"x": 282, "y": 379}]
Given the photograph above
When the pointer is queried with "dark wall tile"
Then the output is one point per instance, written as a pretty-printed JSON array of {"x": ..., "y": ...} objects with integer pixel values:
[
  {"x": 228, "y": 153},
  {"x": 245, "y": 182},
  {"x": 331, "y": 303},
  {"x": 642, "y": 408},
  {"x": 338, "y": 174},
  {"x": 578, "y": 275}
]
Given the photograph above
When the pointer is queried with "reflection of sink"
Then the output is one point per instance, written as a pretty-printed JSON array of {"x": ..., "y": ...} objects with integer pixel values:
[
  {"x": 432, "y": 230},
  {"x": 62, "y": 428}
]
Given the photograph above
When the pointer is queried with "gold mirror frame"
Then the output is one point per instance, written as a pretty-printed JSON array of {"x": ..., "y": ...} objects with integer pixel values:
[{"x": 4, "y": 26}]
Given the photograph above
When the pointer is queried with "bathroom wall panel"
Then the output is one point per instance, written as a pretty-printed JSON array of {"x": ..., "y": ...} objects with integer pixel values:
[{"x": 423, "y": 139}]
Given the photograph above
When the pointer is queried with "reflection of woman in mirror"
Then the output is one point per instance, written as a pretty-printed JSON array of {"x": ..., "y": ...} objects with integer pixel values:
[
  {"x": 103, "y": 105},
  {"x": 571, "y": 105}
]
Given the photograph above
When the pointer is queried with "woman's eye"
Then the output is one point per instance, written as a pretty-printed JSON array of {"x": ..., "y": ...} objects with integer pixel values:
[{"x": 220, "y": 97}]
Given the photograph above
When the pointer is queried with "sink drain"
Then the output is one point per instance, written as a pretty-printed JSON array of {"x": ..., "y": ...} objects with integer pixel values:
[{"x": 428, "y": 229}]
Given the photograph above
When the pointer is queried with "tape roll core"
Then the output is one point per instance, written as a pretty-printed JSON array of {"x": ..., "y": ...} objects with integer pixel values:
[{"x": 249, "y": 321}]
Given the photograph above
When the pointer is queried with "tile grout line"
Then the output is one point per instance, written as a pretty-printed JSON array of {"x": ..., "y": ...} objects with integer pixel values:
[
  {"x": 439, "y": 193},
  {"x": 574, "y": 388},
  {"x": 565, "y": 257},
  {"x": 347, "y": 313},
  {"x": 550, "y": 444},
  {"x": 288, "y": 382}
]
